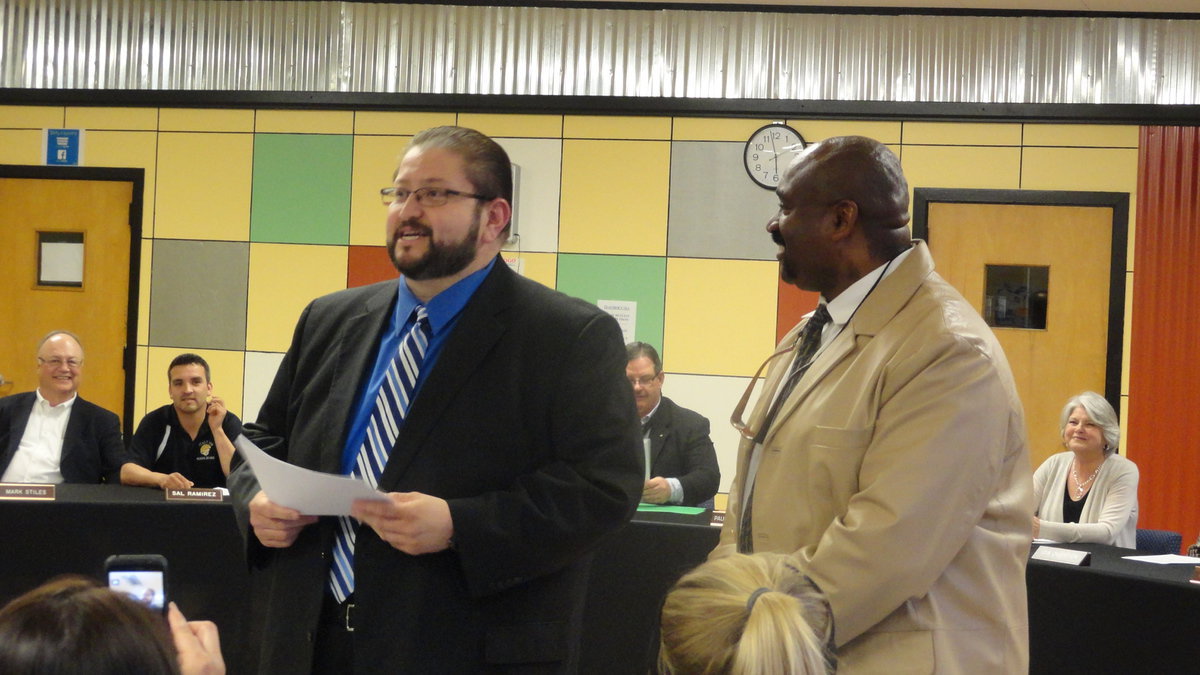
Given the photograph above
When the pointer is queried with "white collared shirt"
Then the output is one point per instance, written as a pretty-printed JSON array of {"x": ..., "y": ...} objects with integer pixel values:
[
  {"x": 840, "y": 309},
  {"x": 38, "y": 458},
  {"x": 846, "y": 303},
  {"x": 646, "y": 439}
]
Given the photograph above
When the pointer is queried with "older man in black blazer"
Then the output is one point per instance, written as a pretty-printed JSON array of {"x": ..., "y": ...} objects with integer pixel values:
[
  {"x": 518, "y": 451},
  {"x": 52, "y": 435},
  {"x": 680, "y": 460}
]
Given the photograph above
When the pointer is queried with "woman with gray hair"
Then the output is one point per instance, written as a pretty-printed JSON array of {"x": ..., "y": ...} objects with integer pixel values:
[{"x": 1088, "y": 493}]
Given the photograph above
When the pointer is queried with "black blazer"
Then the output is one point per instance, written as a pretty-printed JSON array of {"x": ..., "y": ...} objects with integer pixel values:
[
  {"x": 526, "y": 426},
  {"x": 680, "y": 448},
  {"x": 92, "y": 449}
]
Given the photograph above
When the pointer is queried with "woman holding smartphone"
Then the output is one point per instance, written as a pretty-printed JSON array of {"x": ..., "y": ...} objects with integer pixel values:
[{"x": 73, "y": 625}]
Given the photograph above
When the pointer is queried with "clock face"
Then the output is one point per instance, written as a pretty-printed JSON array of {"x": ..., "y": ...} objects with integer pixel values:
[{"x": 770, "y": 151}]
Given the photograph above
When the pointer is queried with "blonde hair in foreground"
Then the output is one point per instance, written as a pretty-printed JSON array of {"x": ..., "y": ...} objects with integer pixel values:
[{"x": 710, "y": 624}]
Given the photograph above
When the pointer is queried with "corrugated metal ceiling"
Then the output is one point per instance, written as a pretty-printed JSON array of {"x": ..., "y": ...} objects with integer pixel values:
[{"x": 568, "y": 51}]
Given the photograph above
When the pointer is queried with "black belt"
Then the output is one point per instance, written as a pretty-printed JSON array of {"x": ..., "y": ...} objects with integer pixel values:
[{"x": 338, "y": 615}]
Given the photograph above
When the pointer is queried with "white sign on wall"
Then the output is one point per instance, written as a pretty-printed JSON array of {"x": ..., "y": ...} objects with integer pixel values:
[{"x": 625, "y": 312}]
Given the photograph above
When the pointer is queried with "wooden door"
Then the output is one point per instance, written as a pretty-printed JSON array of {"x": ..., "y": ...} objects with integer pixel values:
[
  {"x": 98, "y": 312},
  {"x": 1072, "y": 353}
]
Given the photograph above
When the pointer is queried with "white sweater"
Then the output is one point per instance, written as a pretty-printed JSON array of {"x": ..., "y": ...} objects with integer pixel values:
[{"x": 1110, "y": 514}]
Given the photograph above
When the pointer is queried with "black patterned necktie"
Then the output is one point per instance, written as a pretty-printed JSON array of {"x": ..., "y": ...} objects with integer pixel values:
[{"x": 807, "y": 344}]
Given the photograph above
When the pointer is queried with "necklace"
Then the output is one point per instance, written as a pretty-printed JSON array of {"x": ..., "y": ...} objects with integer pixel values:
[{"x": 1082, "y": 486}]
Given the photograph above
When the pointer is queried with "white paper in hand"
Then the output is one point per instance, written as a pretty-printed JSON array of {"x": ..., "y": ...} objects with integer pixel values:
[{"x": 312, "y": 493}]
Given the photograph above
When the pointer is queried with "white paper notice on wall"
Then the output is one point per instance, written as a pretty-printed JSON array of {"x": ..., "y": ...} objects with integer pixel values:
[{"x": 625, "y": 312}]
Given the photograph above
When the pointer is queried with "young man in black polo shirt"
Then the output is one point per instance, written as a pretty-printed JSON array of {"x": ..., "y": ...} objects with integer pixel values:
[{"x": 189, "y": 442}]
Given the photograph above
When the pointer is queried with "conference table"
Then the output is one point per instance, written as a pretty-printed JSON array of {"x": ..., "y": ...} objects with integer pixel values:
[{"x": 1114, "y": 616}]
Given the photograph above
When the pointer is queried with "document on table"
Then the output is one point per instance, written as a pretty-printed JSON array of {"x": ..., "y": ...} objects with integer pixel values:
[
  {"x": 312, "y": 493},
  {"x": 1164, "y": 559}
]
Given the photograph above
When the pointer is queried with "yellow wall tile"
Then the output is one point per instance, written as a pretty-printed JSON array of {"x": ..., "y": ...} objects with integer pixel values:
[
  {"x": 614, "y": 197},
  {"x": 541, "y": 267},
  {"x": 600, "y": 126},
  {"x": 21, "y": 146},
  {"x": 31, "y": 117},
  {"x": 958, "y": 133},
  {"x": 1106, "y": 170},
  {"x": 128, "y": 119},
  {"x": 699, "y": 293},
  {"x": 304, "y": 121},
  {"x": 1082, "y": 135},
  {"x": 226, "y": 367},
  {"x": 1131, "y": 243},
  {"x": 818, "y": 130},
  {"x": 715, "y": 129},
  {"x": 514, "y": 126},
  {"x": 375, "y": 162},
  {"x": 146, "y": 266},
  {"x": 139, "y": 385},
  {"x": 135, "y": 149},
  {"x": 399, "y": 123},
  {"x": 1127, "y": 337},
  {"x": 204, "y": 186},
  {"x": 961, "y": 167},
  {"x": 284, "y": 278},
  {"x": 204, "y": 119}
]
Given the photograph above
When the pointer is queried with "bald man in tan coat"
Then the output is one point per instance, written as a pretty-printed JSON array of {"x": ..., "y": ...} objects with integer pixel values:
[{"x": 896, "y": 467}]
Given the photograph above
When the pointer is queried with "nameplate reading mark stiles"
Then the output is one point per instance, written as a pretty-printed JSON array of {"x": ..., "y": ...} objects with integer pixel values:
[
  {"x": 32, "y": 491},
  {"x": 194, "y": 495},
  {"x": 1062, "y": 555}
]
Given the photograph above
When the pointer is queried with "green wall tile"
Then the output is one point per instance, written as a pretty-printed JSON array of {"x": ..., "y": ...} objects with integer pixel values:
[
  {"x": 301, "y": 192},
  {"x": 617, "y": 277}
]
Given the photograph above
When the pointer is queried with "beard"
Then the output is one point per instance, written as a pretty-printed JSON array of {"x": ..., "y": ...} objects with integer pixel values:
[{"x": 440, "y": 260}]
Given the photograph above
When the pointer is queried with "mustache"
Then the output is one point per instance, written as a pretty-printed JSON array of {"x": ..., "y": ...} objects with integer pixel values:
[{"x": 777, "y": 238}]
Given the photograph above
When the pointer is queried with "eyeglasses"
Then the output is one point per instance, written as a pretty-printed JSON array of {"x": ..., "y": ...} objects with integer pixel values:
[
  {"x": 645, "y": 380},
  {"x": 426, "y": 196},
  {"x": 735, "y": 418},
  {"x": 56, "y": 362}
]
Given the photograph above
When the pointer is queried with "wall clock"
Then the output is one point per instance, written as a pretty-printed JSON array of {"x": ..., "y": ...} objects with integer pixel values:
[{"x": 770, "y": 151}]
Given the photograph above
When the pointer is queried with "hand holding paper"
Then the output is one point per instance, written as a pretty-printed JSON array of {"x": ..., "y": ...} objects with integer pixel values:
[{"x": 309, "y": 492}]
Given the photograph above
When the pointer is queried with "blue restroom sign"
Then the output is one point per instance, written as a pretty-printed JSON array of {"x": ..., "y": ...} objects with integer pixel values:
[{"x": 64, "y": 147}]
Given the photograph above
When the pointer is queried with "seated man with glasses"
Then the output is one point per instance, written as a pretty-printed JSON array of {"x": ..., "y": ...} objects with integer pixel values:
[
  {"x": 680, "y": 460},
  {"x": 52, "y": 435}
]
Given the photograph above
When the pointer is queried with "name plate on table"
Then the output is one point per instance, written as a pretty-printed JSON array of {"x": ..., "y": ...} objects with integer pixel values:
[
  {"x": 195, "y": 495},
  {"x": 1062, "y": 555},
  {"x": 36, "y": 491}
]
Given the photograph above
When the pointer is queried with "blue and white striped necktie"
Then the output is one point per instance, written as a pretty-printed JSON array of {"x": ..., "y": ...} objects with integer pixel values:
[{"x": 391, "y": 406}]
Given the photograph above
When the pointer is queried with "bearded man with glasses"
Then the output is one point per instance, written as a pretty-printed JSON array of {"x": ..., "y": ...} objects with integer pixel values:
[
  {"x": 490, "y": 410},
  {"x": 52, "y": 435}
]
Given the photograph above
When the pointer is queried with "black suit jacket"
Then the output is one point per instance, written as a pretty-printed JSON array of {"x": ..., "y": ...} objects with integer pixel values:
[
  {"x": 526, "y": 426},
  {"x": 92, "y": 449},
  {"x": 680, "y": 448}
]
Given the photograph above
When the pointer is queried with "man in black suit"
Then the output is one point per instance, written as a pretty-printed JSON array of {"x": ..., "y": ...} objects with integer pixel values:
[
  {"x": 52, "y": 435},
  {"x": 518, "y": 451},
  {"x": 680, "y": 458}
]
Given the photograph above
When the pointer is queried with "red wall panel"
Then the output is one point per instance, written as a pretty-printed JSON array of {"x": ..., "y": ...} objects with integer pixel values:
[
  {"x": 368, "y": 264},
  {"x": 1164, "y": 358}
]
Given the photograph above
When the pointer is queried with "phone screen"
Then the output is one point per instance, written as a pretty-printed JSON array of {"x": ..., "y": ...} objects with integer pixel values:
[{"x": 144, "y": 586}]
